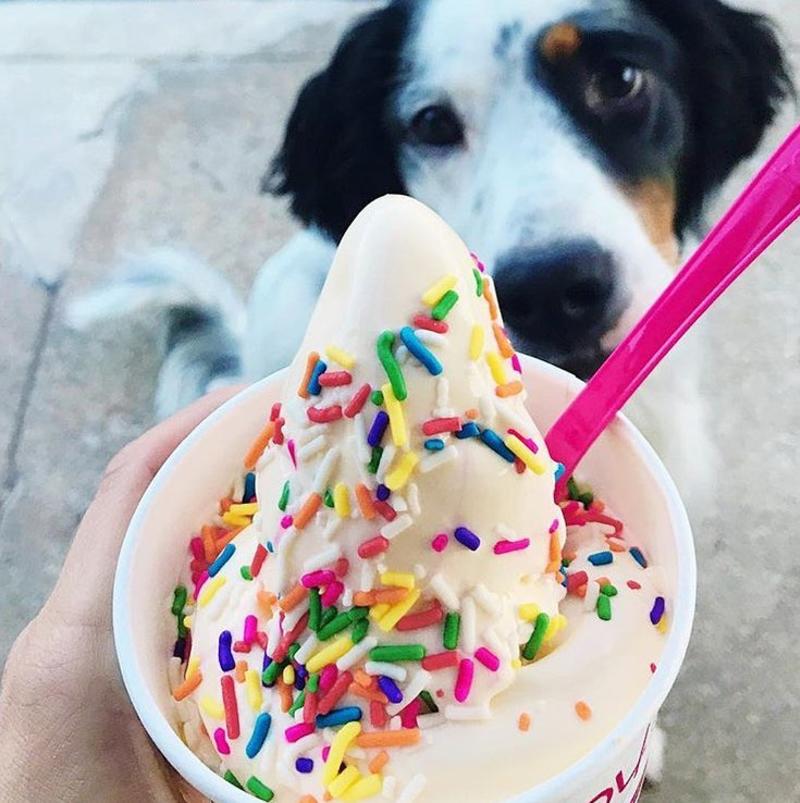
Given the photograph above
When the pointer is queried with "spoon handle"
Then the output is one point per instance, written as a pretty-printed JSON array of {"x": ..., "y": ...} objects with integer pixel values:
[{"x": 769, "y": 205}]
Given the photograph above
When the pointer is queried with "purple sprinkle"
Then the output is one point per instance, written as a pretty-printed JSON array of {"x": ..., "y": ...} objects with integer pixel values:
[
  {"x": 379, "y": 424},
  {"x": 554, "y": 526},
  {"x": 300, "y": 677},
  {"x": 304, "y": 765},
  {"x": 179, "y": 648},
  {"x": 226, "y": 661},
  {"x": 267, "y": 661},
  {"x": 382, "y": 492},
  {"x": 657, "y": 611},
  {"x": 467, "y": 538},
  {"x": 390, "y": 689}
]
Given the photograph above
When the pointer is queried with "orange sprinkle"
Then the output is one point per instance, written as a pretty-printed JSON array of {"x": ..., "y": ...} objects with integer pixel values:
[
  {"x": 569, "y": 554},
  {"x": 379, "y": 762},
  {"x": 259, "y": 444},
  {"x": 390, "y": 596},
  {"x": 365, "y": 501},
  {"x": 509, "y": 389},
  {"x": 209, "y": 547},
  {"x": 615, "y": 547},
  {"x": 583, "y": 711},
  {"x": 221, "y": 543},
  {"x": 524, "y": 722},
  {"x": 266, "y": 599},
  {"x": 188, "y": 686},
  {"x": 311, "y": 361},
  {"x": 472, "y": 413},
  {"x": 555, "y": 548},
  {"x": 400, "y": 738},
  {"x": 373, "y": 695},
  {"x": 241, "y": 668},
  {"x": 327, "y": 796},
  {"x": 307, "y": 799},
  {"x": 285, "y": 693},
  {"x": 307, "y": 511},
  {"x": 602, "y": 581},
  {"x": 363, "y": 679},
  {"x": 364, "y": 599},
  {"x": 503, "y": 343},
  {"x": 293, "y": 598},
  {"x": 488, "y": 294},
  {"x": 224, "y": 504},
  {"x": 552, "y": 567}
]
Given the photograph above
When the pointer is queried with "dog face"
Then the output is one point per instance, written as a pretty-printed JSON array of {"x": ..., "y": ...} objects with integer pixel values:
[{"x": 570, "y": 143}]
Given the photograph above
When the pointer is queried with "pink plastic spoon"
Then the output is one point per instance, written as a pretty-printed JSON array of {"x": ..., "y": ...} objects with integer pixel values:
[{"x": 768, "y": 206}]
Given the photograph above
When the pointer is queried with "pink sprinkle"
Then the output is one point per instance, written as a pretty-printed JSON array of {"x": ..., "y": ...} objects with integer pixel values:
[
  {"x": 320, "y": 577},
  {"x": 487, "y": 658},
  {"x": 332, "y": 593},
  {"x": 199, "y": 584},
  {"x": 515, "y": 364},
  {"x": 503, "y": 547},
  {"x": 478, "y": 264},
  {"x": 408, "y": 716},
  {"x": 196, "y": 546},
  {"x": 250, "y": 628},
  {"x": 222, "y": 743},
  {"x": 553, "y": 526},
  {"x": 526, "y": 440},
  {"x": 327, "y": 677},
  {"x": 325, "y": 751},
  {"x": 439, "y": 542},
  {"x": 296, "y": 732},
  {"x": 286, "y": 521},
  {"x": 290, "y": 447},
  {"x": 466, "y": 671}
]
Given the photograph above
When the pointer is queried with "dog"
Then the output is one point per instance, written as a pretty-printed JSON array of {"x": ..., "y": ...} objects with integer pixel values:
[{"x": 572, "y": 143}]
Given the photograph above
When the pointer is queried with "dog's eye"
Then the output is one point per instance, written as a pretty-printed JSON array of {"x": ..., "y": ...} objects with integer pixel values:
[
  {"x": 615, "y": 85},
  {"x": 436, "y": 125}
]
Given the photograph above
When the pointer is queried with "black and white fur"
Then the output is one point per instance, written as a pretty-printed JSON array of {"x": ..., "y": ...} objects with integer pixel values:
[{"x": 575, "y": 192}]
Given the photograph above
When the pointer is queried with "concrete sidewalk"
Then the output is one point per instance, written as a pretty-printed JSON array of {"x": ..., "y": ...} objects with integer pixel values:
[{"x": 128, "y": 125}]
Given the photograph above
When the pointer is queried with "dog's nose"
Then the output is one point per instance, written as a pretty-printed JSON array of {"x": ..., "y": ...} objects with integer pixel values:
[{"x": 559, "y": 299}]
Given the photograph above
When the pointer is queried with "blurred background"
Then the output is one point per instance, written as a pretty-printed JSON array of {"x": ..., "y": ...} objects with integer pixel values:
[{"x": 127, "y": 125}]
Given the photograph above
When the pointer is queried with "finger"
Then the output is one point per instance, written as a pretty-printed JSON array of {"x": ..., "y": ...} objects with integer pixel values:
[{"x": 83, "y": 591}]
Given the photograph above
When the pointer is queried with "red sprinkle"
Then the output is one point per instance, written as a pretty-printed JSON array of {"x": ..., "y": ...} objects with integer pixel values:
[
  {"x": 373, "y": 546},
  {"x": 356, "y": 404},
  {"x": 310, "y": 708},
  {"x": 335, "y": 379},
  {"x": 653, "y": 668},
  {"x": 277, "y": 435},
  {"x": 436, "y": 426},
  {"x": 377, "y": 715},
  {"x": 424, "y": 322},
  {"x": 335, "y": 693},
  {"x": 385, "y": 509},
  {"x": 288, "y": 638},
  {"x": 258, "y": 560},
  {"x": 240, "y": 646},
  {"x": 196, "y": 546},
  {"x": 261, "y": 639},
  {"x": 230, "y": 706},
  {"x": 632, "y": 584},
  {"x": 408, "y": 716},
  {"x": 440, "y": 660},
  {"x": 421, "y": 619},
  {"x": 324, "y": 415},
  {"x": 275, "y": 412},
  {"x": 575, "y": 581}
]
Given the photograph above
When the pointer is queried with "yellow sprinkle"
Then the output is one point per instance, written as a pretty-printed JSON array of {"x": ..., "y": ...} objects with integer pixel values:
[
  {"x": 398, "y": 611},
  {"x": 402, "y": 579},
  {"x": 341, "y": 500},
  {"x": 339, "y": 746},
  {"x": 340, "y": 356},
  {"x": 187, "y": 621},
  {"x": 253, "y": 682},
  {"x": 516, "y": 663},
  {"x": 497, "y": 367},
  {"x": 193, "y": 666},
  {"x": 329, "y": 654},
  {"x": 209, "y": 590},
  {"x": 399, "y": 475},
  {"x": 436, "y": 291},
  {"x": 245, "y": 509},
  {"x": 531, "y": 460},
  {"x": 366, "y": 787},
  {"x": 377, "y": 612},
  {"x": 212, "y": 707},
  {"x": 343, "y": 781},
  {"x": 476, "y": 342},
  {"x": 553, "y": 628},
  {"x": 529, "y": 611},
  {"x": 288, "y": 675},
  {"x": 662, "y": 625},
  {"x": 236, "y": 521},
  {"x": 397, "y": 418}
]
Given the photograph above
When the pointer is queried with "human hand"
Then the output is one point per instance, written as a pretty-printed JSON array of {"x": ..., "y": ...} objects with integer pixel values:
[{"x": 67, "y": 730}]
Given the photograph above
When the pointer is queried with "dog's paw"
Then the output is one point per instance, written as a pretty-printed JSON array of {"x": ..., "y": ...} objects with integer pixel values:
[{"x": 655, "y": 760}]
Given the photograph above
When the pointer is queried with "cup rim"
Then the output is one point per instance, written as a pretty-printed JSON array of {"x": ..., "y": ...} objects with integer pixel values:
[{"x": 643, "y": 712}]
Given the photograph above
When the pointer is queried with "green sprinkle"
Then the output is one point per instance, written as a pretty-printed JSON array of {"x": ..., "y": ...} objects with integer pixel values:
[
  {"x": 377, "y": 453},
  {"x": 314, "y": 609},
  {"x": 246, "y": 573},
  {"x": 293, "y": 648},
  {"x": 312, "y": 684},
  {"x": 604, "y": 608},
  {"x": 444, "y": 305},
  {"x": 232, "y": 779},
  {"x": 586, "y": 498},
  {"x": 478, "y": 282},
  {"x": 573, "y": 490},
  {"x": 377, "y": 397},
  {"x": 179, "y": 600},
  {"x": 359, "y": 630},
  {"x": 270, "y": 674},
  {"x": 537, "y": 637},
  {"x": 328, "y": 498},
  {"x": 398, "y": 652},
  {"x": 336, "y": 625},
  {"x": 260, "y": 790},
  {"x": 452, "y": 627},
  {"x": 609, "y": 590},
  {"x": 427, "y": 698},
  {"x": 328, "y": 615},
  {"x": 391, "y": 366},
  {"x": 284, "y": 500},
  {"x": 298, "y": 703},
  {"x": 358, "y": 613}
]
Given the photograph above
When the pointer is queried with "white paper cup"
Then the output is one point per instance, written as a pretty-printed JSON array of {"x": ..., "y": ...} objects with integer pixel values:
[{"x": 622, "y": 469}]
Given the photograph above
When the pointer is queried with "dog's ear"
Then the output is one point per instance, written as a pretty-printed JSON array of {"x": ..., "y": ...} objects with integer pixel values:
[
  {"x": 337, "y": 154},
  {"x": 735, "y": 81}
]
